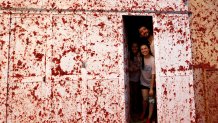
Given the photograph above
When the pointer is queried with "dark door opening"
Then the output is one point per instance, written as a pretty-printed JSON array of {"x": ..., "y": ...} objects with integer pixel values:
[{"x": 138, "y": 31}]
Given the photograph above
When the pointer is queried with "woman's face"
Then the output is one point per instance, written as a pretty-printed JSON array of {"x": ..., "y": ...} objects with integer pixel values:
[
  {"x": 144, "y": 32},
  {"x": 144, "y": 50},
  {"x": 134, "y": 48}
]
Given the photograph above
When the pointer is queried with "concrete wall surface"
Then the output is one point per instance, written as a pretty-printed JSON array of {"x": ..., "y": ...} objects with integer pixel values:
[{"x": 66, "y": 60}]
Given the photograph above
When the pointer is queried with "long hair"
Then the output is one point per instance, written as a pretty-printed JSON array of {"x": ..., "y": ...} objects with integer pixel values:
[{"x": 142, "y": 57}]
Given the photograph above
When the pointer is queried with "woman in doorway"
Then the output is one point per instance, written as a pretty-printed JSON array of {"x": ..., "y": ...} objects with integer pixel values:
[
  {"x": 134, "y": 76},
  {"x": 147, "y": 80}
]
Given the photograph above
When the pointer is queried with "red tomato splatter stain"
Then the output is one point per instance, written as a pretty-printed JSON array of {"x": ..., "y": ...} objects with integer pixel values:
[
  {"x": 64, "y": 21},
  {"x": 102, "y": 24},
  {"x": 101, "y": 34},
  {"x": 180, "y": 42},
  {"x": 14, "y": 87},
  {"x": 19, "y": 63},
  {"x": 182, "y": 68},
  {"x": 57, "y": 69},
  {"x": 34, "y": 32},
  {"x": 6, "y": 5},
  {"x": 37, "y": 23},
  {"x": 53, "y": 5},
  {"x": 165, "y": 92},
  {"x": 62, "y": 83},
  {"x": 60, "y": 112},
  {"x": 38, "y": 56},
  {"x": 18, "y": 76},
  {"x": 31, "y": 117},
  {"x": 163, "y": 70},
  {"x": 157, "y": 30},
  {"x": 172, "y": 70},
  {"x": 2, "y": 43}
]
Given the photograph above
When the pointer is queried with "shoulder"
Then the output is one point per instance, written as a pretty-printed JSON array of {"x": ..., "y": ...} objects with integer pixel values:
[{"x": 151, "y": 58}]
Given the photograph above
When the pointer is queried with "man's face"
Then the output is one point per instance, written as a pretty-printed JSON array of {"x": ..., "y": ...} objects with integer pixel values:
[{"x": 144, "y": 32}]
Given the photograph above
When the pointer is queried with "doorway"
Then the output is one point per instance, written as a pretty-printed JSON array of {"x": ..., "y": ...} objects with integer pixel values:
[{"x": 132, "y": 24}]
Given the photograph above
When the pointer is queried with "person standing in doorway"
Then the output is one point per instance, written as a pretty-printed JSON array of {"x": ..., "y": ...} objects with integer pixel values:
[
  {"x": 146, "y": 36},
  {"x": 147, "y": 79},
  {"x": 134, "y": 76}
]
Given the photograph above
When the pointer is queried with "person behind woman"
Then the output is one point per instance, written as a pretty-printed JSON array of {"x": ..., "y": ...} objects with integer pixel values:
[
  {"x": 134, "y": 76},
  {"x": 147, "y": 80},
  {"x": 146, "y": 37}
]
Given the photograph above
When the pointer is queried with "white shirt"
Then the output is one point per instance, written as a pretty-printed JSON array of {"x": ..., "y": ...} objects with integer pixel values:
[{"x": 147, "y": 71}]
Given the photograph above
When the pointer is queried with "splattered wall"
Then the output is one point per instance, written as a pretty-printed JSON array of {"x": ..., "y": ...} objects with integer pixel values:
[
  {"x": 204, "y": 36},
  {"x": 66, "y": 61}
]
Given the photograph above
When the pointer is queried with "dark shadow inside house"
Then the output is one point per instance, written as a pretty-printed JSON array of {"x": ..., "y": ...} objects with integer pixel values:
[{"x": 138, "y": 33}]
